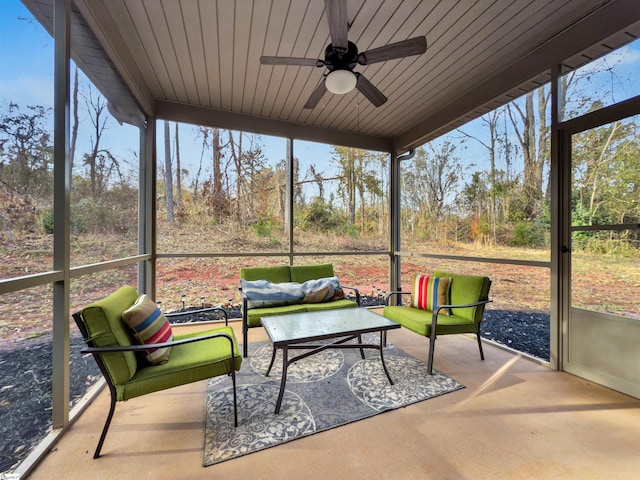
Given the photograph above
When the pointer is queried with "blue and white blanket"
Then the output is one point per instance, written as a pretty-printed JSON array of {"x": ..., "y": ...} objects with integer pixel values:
[{"x": 263, "y": 293}]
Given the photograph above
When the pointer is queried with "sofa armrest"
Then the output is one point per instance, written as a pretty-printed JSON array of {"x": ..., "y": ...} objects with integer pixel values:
[
  {"x": 355, "y": 290},
  {"x": 398, "y": 293},
  {"x": 245, "y": 301},
  {"x": 201, "y": 310}
]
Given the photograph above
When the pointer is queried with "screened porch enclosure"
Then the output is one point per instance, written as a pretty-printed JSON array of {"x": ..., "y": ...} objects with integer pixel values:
[{"x": 171, "y": 158}]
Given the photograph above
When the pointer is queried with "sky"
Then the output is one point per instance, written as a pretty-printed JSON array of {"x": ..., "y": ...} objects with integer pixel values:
[{"x": 26, "y": 78}]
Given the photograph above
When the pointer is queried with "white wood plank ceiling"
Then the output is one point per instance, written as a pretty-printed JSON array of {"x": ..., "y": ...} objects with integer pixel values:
[{"x": 206, "y": 53}]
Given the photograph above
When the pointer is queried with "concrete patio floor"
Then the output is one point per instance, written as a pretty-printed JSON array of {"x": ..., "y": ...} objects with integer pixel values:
[{"x": 515, "y": 419}]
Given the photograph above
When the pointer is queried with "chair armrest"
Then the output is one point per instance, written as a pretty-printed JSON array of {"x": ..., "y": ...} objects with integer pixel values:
[
  {"x": 390, "y": 294},
  {"x": 357, "y": 292},
  {"x": 137, "y": 347},
  {"x": 434, "y": 318},
  {"x": 467, "y": 305},
  {"x": 201, "y": 310}
]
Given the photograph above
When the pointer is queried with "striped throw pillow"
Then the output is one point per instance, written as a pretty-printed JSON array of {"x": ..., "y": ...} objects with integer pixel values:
[
  {"x": 148, "y": 325},
  {"x": 428, "y": 292}
]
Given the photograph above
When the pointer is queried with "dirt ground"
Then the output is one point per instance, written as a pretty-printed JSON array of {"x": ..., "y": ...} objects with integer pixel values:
[{"x": 601, "y": 282}]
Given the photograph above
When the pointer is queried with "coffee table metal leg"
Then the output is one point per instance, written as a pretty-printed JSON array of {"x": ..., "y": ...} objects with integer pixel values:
[
  {"x": 384, "y": 365},
  {"x": 273, "y": 357},
  {"x": 362, "y": 349},
  {"x": 283, "y": 381}
]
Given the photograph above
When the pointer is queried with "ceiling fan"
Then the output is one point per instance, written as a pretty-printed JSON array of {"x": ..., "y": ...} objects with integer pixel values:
[{"x": 341, "y": 57}]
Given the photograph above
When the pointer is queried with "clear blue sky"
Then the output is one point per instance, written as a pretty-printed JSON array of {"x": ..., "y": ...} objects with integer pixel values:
[{"x": 26, "y": 78}]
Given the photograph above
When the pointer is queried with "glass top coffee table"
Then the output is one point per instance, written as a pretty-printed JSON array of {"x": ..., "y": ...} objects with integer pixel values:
[{"x": 297, "y": 330}]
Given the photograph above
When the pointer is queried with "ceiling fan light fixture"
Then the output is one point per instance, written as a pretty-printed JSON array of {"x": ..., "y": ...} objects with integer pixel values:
[{"x": 340, "y": 82}]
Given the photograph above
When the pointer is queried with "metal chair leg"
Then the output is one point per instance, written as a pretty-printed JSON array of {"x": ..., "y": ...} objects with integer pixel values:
[
  {"x": 106, "y": 425},
  {"x": 235, "y": 400},
  {"x": 245, "y": 339},
  {"x": 480, "y": 346},
  {"x": 432, "y": 347}
]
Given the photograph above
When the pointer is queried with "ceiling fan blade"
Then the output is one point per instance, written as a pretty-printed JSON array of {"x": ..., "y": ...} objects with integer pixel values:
[
  {"x": 305, "y": 62},
  {"x": 365, "y": 87},
  {"x": 405, "y": 48},
  {"x": 338, "y": 23},
  {"x": 316, "y": 95}
]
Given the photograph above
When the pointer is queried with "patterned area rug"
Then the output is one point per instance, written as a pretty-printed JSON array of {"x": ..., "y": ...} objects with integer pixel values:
[{"x": 323, "y": 391}]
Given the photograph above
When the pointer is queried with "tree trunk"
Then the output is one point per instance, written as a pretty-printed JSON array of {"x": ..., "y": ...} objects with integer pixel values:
[
  {"x": 236, "y": 153},
  {"x": 526, "y": 133},
  {"x": 351, "y": 186},
  {"x": 168, "y": 177},
  {"x": 178, "y": 172},
  {"x": 543, "y": 142},
  {"x": 74, "y": 129},
  {"x": 286, "y": 189},
  {"x": 217, "y": 176}
]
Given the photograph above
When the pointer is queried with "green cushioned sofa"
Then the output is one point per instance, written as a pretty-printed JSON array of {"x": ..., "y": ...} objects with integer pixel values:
[
  {"x": 194, "y": 356},
  {"x": 280, "y": 274},
  {"x": 469, "y": 294}
]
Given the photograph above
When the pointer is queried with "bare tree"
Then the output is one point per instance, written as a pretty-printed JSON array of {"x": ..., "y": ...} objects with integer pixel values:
[
  {"x": 76, "y": 120},
  {"x": 217, "y": 156},
  {"x": 168, "y": 174},
  {"x": 100, "y": 162},
  {"x": 178, "y": 171},
  {"x": 26, "y": 151},
  {"x": 442, "y": 172}
]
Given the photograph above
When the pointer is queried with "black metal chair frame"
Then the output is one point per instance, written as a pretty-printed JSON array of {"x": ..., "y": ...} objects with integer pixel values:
[
  {"x": 96, "y": 351},
  {"x": 434, "y": 325}
]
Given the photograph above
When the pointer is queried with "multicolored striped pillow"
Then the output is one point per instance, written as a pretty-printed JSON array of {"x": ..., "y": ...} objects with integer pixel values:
[
  {"x": 427, "y": 292},
  {"x": 148, "y": 325}
]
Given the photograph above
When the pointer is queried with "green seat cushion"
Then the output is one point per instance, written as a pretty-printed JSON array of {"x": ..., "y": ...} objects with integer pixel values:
[
  {"x": 419, "y": 321},
  {"x": 276, "y": 274},
  {"x": 467, "y": 289},
  {"x": 188, "y": 363},
  {"x": 303, "y": 273},
  {"x": 103, "y": 319},
  {"x": 316, "y": 307},
  {"x": 254, "y": 314}
]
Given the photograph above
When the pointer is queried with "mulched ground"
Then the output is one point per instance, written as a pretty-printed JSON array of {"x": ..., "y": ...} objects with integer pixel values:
[{"x": 25, "y": 369}]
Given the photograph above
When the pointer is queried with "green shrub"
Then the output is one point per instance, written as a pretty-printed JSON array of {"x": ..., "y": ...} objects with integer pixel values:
[
  {"x": 323, "y": 217},
  {"x": 528, "y": 234},
  {"x": 264, "y": 226},
  {"x": 47, "y": 222}
]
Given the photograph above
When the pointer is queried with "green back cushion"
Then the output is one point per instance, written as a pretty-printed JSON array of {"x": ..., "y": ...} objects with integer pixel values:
[
  {"x": 148, "y": 325},
  {"x": 273, "y": 274},
  {"x": 467, "y": 289},
  {"x": 106, "y": 328},
  {"x": 302, "y": 273},
  {"x": 429, "y": 291}
]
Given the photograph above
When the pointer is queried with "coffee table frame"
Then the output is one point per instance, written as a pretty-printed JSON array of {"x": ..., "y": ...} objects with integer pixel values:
[{"x": 295, "y": 332}]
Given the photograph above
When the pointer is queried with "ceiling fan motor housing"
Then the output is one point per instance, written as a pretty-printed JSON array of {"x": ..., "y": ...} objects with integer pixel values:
[{"x": 335, "y": 60}]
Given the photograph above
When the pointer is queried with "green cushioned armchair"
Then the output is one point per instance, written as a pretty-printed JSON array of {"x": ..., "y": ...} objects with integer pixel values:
[
  {"x": 194, "y": 356},
  {"x": 469, "y": 295}
]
